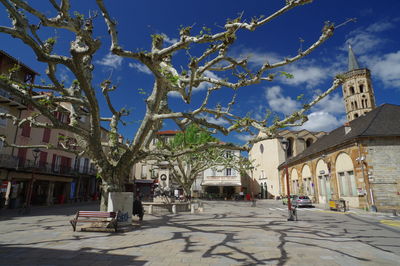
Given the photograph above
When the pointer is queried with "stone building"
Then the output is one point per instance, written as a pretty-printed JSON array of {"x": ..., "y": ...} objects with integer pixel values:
[{"x": 358, "y": 162}]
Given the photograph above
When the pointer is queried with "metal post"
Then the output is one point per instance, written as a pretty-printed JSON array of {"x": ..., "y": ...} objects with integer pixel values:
[{"x": 290, "y": 211}]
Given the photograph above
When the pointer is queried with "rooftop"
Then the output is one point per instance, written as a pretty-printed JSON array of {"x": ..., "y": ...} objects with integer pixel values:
[{"x": 383, "y": 121}]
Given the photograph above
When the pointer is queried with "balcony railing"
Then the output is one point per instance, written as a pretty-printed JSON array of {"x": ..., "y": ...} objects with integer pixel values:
[{"x": 13, "y": 162}]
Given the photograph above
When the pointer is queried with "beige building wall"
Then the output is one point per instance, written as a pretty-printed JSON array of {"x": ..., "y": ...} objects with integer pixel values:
[{"x": 267, "y": 155}]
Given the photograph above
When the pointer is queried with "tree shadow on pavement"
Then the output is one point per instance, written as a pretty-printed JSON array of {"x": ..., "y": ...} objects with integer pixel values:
[{"x": 12, "y": 255}]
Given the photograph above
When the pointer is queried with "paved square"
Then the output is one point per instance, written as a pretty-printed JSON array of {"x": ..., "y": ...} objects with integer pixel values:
[{"x": 227, "y": 233}]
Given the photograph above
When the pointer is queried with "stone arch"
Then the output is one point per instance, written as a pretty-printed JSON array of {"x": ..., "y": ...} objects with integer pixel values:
[
  {"x": 352, "y": 90},
  {"x": 323, "y": 181},
  {"x": 307, "y": 180},
  {"x": 347, "y": 184}
]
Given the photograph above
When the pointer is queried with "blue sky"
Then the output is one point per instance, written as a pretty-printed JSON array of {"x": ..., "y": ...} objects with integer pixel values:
[{"x": 374, "y": 37}]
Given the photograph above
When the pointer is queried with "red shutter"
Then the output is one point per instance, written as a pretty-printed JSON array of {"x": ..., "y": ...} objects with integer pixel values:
[
  {"x": 26, "y": 130},
  {"x": 46, "y": 135}
]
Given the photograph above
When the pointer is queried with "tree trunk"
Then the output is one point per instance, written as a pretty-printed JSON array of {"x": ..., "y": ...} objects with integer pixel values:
[{"x": 105, "y": 189}]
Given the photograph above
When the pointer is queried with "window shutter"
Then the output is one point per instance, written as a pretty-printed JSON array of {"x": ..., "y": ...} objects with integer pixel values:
[
  {"x": 46, "y": 135},
  {"x": 26, "y": 130}
]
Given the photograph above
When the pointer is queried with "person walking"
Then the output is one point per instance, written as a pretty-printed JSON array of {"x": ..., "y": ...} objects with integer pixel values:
[{"x": 138, "y": 208}]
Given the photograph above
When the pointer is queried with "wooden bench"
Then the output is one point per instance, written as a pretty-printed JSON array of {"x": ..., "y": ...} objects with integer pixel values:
[{"x": 91, "y": 216}]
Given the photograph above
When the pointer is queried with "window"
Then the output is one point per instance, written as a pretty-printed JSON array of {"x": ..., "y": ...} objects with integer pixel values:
[
  {"x": 228, "y": 171},
  {"x": 213, "y": 172},
  {"x": 85, "y": 165},
  {"x": 261, "y": 148},
  {"x": 309, "y": 142},
  {"x": 228, "y": 154},
  {"x": 352, "y": 90},
  {"x": 289, "y": 152},
  {"x": 42, "y": 159},
  {"x": 56, "y": 163},
  {"x": 144, "y": 171},
  {"x": 26, "y": 130},
  {"x": 3, "y": 122},
  {"x": 347, "y": 183},
  {"x": 361, "y": 88},
  {"x": 322, "y": 182},
  {"x": 46, "y": 135}
]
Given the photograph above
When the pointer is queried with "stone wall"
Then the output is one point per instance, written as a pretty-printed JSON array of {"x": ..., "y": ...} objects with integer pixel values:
[{"x": 383, "y": 157}]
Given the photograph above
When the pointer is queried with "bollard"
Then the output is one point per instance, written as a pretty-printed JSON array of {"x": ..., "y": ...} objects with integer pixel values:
[
  {"x": 253, "y": 203},
  {"x": 150, "y": 209},
  {"x": 192, "y": 208},
  {"x": 174, "y": 208}
]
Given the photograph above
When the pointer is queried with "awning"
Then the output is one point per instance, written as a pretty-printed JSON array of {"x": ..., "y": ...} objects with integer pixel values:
[
  {"x": 144, "y": 181},
  {"x": 222, "y": 184}
]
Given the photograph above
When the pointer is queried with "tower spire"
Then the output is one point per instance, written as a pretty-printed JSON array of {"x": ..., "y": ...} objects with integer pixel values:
[{"x": 353, "y": 64}]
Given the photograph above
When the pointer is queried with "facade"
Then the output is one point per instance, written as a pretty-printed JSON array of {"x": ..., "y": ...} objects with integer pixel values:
[
  {"x": 42, "y": 177},
  {"x": 268, "y": 154},
  {"x": 221, "y": 182},
  {"x": 358, "y": 162},
  {"x": 146, "y": 175}
]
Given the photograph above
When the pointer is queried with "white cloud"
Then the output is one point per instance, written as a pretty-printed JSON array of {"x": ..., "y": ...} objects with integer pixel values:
[
  {"x": 168, "y": 39},
  {"x": 305, "y": 73},
  {"x": 244, "y": 137},
  {"x": 140, "y": 67},
  {"x": 257, "y": 58},
  {"x": 280, "y": 103},
  {"x": 364, "y": 40},
  {"x": 333, "y": 103},
  {"x": 321, "y": 121},
  {"x": 380, "y": 26},
  {"x": 213, "y": 120},
  {"x": 110, "y": 60},
  {"x": 387, "y": 68}
]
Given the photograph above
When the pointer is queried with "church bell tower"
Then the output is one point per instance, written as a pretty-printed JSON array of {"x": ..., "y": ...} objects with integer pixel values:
[{"x": 358, "y": 93}]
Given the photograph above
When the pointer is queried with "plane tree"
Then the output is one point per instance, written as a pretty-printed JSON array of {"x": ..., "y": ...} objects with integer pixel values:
[
  {"x": 28, "y": 24},
  {"x": 185, "y": 168}
]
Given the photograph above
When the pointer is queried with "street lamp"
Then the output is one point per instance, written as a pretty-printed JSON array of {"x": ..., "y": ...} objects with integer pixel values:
[
  {"x": 285, "y": 145},
  {"x": 35, "y": 153}
]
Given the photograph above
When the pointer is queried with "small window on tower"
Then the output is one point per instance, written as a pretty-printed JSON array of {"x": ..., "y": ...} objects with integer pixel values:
[
  {"x": 351, "y": 90},
  {"x": 355, "y": 115},
  {"x": 361, "y": 88}
]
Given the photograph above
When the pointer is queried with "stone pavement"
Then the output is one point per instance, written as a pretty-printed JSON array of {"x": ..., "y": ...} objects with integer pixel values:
[{"x": 227, "y": 233}]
